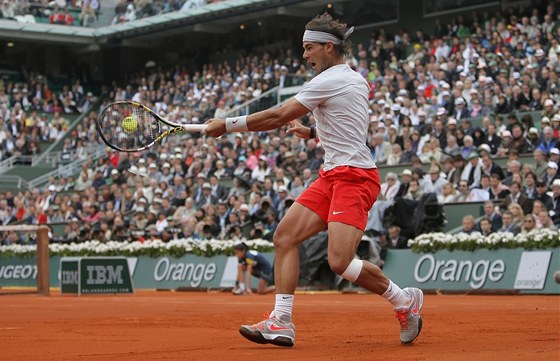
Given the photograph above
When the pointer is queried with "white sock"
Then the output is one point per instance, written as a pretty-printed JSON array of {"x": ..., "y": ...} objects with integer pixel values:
[
  {"x": 283, "y": 307},
  {"x": 396, "y": 296},
  {"x": 242, "y": 286}
]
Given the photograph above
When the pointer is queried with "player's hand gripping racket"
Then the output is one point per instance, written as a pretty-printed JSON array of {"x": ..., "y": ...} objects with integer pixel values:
[{"x": 131, "y": 127}]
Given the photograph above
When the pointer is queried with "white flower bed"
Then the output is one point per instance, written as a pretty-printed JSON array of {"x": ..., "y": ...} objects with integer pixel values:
[
  {"x": 429, "y": 242},
  {"x": 537, "y": 239},
  {"x": 147, "y": 248}
]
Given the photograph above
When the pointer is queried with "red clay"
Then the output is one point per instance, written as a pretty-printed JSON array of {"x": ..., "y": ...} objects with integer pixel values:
[{"x": 203, "y": 326}]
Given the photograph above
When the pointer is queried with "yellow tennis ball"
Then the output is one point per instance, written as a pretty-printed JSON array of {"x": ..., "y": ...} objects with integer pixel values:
[{"x": 130, "y": 124}]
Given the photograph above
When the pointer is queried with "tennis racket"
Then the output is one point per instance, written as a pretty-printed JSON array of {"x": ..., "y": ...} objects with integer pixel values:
[{"x": 131, "y": 127}]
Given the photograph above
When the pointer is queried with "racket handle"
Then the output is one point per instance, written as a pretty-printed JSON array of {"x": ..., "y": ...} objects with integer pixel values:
[{"x": 194, "y": 127}]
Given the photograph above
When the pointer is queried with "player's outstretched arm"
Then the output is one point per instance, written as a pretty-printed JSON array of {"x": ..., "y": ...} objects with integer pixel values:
[{"x": 264, "y": 120}]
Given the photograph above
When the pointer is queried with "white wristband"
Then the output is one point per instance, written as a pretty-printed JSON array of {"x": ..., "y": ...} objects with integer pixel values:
[{"x": 237, "y": 124}]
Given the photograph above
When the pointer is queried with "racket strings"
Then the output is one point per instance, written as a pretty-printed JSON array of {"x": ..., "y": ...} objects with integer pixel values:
[{"x": 111, "y": 125}]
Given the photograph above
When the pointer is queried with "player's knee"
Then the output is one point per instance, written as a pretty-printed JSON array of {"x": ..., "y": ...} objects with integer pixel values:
[
  {"x": 281, "y": 241},
  {"x": 348, "y": 270},
  {"x": 338, "y": 265}
]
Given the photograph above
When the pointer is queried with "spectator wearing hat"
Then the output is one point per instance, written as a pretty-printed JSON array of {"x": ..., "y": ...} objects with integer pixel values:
[
  {"x": 288, "y": 161},
  {"x": 549, "y": 110},
  {"x": 554, "y": 155},
  {"x": 421, "y": 126},
  {"x": 545, "y": 121},
  {"x": 166, "y": 175},
  {"x": 206, "y": 196},
  {"x": 153, "y": 172},
  {"x": 117, "y": 178},
  {"x": 504, "y": 148},
  {"x": 460, "y": 111},
  {"x": 484, "y": 149},
  {"x": 139, "y": 218},
  {"x": 433, "y": 182},
  {"x": 472, "y": 171},
  {"x": 551, "y": 174},
  {"x": 241, "y": 167},
  {"x": 451, "y": 126},
  {"x": 406, "y": 177},
  {"x": 283, "y": 201},
  {"x": 533, "y": 137},
  {"x": 390, "y": 187},
  {"x": 244, "y": 213}
]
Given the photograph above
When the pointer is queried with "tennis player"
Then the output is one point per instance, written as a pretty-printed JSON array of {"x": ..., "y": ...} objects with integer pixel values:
[{"x": 347, "y": 187}]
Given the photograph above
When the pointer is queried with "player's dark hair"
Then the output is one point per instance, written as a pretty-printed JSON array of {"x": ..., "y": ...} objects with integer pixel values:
[
  {"x": 327, "y": 24},
  {"x": 241, "y": 247}
]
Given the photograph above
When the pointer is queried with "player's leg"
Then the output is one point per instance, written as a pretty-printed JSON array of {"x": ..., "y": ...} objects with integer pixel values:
[
  {"x": 299, "y": 224},
  {"x": 350, "y": 204},
  {"x": 343, "y": 242}
]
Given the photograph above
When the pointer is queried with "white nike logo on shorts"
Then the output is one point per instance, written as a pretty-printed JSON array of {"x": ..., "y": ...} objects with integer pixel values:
[{"x": 335, "y": 212}]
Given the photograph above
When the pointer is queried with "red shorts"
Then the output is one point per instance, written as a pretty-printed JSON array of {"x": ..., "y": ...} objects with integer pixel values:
[{"x": 343, "y": 194}]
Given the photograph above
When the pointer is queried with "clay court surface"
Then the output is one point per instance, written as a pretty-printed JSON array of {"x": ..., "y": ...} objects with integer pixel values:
[{"x": 203, "y": 326}]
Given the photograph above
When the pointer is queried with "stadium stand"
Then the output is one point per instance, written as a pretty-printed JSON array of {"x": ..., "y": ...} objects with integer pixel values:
[
  {"x": 465, "y": 113},
  {"x": 91, "y": 13}
]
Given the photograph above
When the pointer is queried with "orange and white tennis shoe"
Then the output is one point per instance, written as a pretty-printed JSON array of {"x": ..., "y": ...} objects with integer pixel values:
[
  {"x": 270, "y": 330},
  {"x": 409, "y": 317}
]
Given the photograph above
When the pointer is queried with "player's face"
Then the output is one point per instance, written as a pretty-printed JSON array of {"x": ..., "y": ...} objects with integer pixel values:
[{"x": 315, "y": 55}]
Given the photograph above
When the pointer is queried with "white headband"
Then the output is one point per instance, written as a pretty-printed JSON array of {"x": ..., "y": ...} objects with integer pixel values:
[{"x": 323, "y": 37}]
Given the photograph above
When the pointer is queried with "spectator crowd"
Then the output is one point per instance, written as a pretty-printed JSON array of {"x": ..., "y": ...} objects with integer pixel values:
[
  {"x": 86, "y": 12},
  {"x": 31, "y": 113},
  {"x": 444, "y": 105}
]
